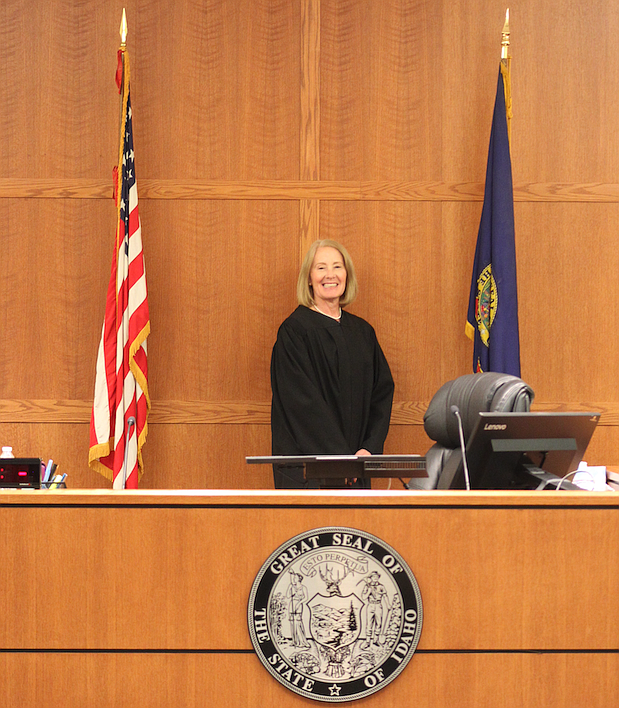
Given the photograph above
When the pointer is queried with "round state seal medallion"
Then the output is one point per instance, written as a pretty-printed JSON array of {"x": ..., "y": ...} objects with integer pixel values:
[{"x": 335, "y": 614}]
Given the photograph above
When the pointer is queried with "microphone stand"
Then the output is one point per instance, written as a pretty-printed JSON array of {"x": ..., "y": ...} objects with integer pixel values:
[
  {"x": 456, "y": 411},
  {"x": 130, "y": 424}
]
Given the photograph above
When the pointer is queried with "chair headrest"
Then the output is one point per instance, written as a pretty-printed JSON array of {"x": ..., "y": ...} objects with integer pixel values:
[{"x": 473, "y": 393}]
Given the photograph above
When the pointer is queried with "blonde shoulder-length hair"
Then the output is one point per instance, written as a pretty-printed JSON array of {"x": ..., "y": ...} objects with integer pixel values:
[{"x": 305, "y": 295}]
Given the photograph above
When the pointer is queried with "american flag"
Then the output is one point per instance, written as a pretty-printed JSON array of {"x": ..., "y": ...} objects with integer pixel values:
[{"x": 118, "y": 425}]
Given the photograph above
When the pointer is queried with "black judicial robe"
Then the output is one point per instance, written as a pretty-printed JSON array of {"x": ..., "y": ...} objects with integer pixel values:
[{"x": 332, "y": 389}]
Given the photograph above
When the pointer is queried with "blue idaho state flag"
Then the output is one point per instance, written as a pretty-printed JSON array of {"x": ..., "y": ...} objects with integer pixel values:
[{"x": 492, "y": 320}]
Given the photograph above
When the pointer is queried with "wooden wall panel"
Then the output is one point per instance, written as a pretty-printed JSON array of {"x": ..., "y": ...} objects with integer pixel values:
[
  {"x": 66, "y": 443},
  {"x": 220, "y": 285},
  {"x": 56, "y": 258},
  {"x": 207, "y": 456},
  {"x": 565, "y": 104},
  {"x": 602, "y": 449},
  {"x": 231, "y": 680},
  {"x": 486, "y": 566},
  {"x": 460, "y": 220},
  {"x": 403, "y": 439},
  {"x": 568, "y": 260},
  {"x": 260, "y": 126},
  {"x": 409, "y": 276},
  {"x": 161, "y": 617},
  {"x": 58, "y": 111},
  {"x": 217, "y": 89},
  {"x": 177, "y": 456},
  {"x": 381, "y": 89},
  {"x": 471, "y": 50}
]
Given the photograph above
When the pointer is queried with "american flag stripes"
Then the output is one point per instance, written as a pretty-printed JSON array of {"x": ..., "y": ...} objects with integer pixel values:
[{"x": 118, "y": 424}]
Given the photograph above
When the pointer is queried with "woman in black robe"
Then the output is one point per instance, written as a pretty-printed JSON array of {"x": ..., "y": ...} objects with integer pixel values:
[{"x": 332, "y": 387}]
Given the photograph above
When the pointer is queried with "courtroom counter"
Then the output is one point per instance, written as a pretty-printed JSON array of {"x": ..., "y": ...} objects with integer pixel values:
[
  {"x": 296, "y": 498},
  {"x": 153, "y": 586}
]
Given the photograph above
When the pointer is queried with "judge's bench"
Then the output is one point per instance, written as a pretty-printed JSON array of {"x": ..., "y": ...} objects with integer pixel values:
[{"x": 140, "y": 598}]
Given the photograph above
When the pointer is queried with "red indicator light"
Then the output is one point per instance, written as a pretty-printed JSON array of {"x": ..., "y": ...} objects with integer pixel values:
[{"x": 22, "y": 474}]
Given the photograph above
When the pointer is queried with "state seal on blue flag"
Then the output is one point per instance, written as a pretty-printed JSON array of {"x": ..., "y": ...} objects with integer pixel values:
[{"x": 492, "y": 319}]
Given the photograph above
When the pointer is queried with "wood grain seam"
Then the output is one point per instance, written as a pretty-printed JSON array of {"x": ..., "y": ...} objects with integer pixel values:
[
  {"x": 175, "y": 412},
  {"x": 333, "y": 190}
]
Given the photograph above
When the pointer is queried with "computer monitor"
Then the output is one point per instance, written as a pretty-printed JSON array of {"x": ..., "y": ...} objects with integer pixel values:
[{"x": 508, "y": 450}]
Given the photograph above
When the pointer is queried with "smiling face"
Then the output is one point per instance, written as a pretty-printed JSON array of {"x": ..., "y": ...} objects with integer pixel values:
[{"x": 328, "y": 276}]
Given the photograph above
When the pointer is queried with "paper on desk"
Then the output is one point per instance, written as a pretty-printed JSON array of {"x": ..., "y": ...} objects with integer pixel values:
[{"x": 593, "y": 478}]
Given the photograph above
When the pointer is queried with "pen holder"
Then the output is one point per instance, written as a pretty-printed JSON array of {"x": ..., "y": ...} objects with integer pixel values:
[{"x": 53, "y": 485}]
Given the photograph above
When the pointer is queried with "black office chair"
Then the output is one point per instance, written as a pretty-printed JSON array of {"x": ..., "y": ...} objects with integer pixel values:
[{"x": 472, "y": 393}]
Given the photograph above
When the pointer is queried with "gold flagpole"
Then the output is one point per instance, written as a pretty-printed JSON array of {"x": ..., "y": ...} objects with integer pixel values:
[
  {"x": 506, "y": 68},
  {"x": 123, "y": 47},
  {"x": 121, "y": 82}
]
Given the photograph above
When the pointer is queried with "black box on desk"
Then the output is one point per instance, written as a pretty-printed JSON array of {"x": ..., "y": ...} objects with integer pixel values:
[{"x": 20, "y": 473}]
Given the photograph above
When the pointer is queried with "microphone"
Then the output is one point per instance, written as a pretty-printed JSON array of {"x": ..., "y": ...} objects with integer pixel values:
[
  {"x": 456, "y": 411},
  {"x": 130, "y": 424}
]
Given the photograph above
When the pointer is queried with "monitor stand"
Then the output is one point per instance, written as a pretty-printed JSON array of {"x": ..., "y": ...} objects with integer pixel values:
[{"x": 546, "y": 479}]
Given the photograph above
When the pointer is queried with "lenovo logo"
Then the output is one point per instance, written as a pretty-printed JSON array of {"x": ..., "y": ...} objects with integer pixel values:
[{"x": 495, "y": 426}]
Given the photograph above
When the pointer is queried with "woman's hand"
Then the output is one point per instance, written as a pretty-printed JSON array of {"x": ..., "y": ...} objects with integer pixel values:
[{"x": 360, "y": 453}]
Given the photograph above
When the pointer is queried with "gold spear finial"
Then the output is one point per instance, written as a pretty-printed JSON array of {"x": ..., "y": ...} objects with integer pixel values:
[
  {"x": 123, "y": 30},
  {"x": 506, "y": 65},
  {"x": 505, "y": 37}
]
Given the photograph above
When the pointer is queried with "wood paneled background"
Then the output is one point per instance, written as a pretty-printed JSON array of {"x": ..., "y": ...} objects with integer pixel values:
[{"x": 259, "y": 126}]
